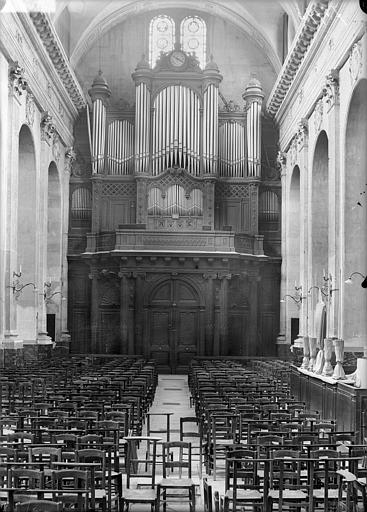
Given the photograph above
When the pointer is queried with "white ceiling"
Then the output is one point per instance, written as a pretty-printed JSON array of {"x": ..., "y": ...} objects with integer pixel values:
[{"x": 260, "y": 19}]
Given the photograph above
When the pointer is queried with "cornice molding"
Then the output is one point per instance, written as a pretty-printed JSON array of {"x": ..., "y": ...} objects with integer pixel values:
[
  {"x": 51, "y": 42},
  {"x": 309, "y": 26}
]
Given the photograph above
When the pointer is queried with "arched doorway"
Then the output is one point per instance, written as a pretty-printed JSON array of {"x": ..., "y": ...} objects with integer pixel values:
[
  {"x": 173, "y": 324},
  {"x": 27, "y": 244},
  {"x": 354, "y": 319}
]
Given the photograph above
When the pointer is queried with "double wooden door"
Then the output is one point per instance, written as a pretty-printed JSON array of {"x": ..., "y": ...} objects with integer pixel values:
[{"x": 174, "y": 325}]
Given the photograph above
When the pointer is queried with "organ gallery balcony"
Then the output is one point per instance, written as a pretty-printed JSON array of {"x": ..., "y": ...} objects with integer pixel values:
[{"x": 136, "y": 238}]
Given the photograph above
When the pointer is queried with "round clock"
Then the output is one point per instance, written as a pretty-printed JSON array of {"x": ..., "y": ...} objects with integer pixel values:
[{"x": 177, "y": 59}]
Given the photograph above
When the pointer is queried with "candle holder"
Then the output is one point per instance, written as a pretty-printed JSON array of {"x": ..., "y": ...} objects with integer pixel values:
[{"x": 17, "y": 286}]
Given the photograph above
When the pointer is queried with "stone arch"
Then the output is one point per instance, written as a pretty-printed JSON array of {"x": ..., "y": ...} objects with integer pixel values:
[
  {"x": 354, "y": 330},
  {"x": 320, "y": 209},
  {"x": 27, "y": 229}
]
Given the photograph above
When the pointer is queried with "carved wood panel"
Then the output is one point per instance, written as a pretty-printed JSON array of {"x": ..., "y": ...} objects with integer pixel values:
[{"x": 174, "y": 324}]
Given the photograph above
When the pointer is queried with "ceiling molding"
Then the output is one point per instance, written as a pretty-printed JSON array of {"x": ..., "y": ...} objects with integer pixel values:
[
  {"x": 303, "y": 38},
  {"x": 110, "y": 16},
  {"x": 51, "y": 42}
]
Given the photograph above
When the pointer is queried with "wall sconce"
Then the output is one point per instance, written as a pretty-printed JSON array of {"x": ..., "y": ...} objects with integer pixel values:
[
  {"x": 298, "y": 300},
  {"x": 327, "y": 288},
  {"x": 363, "y": 283},
  {"x": 17, "y": 286},
  {"x": 47, "y": 295}
]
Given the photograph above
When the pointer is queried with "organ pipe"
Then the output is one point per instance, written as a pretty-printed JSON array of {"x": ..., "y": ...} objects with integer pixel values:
[
  {"x": 176, "y": 121},
  {"x": 253, "y": 96},
  {"x": 99, "y": 93},
  {"x": 232, "y": 150},
  {"x": 142, "y": 128},
  {"x": 120, "y": 147}
]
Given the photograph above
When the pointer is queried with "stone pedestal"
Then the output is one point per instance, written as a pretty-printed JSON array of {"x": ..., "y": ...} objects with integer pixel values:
[{"x": 306, "y": 352}]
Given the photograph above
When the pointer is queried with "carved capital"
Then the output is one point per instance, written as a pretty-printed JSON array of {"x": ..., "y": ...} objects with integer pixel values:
[
  {"x": 17, "y": 81},
  {"x": 208, "y": 276},
  {"x": 331, "y": 88},
  {"x": 47, "y": 127},
  {"x": 302, "y": 132},
  {"x": 70, "y": 157},
  {"x": 224, "y": 276}
]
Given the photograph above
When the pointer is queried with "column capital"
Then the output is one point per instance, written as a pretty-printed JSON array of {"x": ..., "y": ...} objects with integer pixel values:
[
  {"x": 17, "y": 81},
  {"x": 331, "y": 88}
]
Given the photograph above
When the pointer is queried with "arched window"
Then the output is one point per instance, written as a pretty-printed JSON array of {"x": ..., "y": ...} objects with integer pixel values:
[
  {"x": 161, "y": 37},
  {"x": 193, "y": 37}
]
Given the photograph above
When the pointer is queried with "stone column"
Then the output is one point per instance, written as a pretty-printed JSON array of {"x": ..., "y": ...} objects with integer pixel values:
[
  {"x": 10, "y": 99},
  {"x": 209, "y": 321},
  {"x": 282, "y": 166},
  {"x": 332, "y": 109},
  {"x": 139, "y": 312},
  {"x": 94, "y": 320},
  {"x": 124, "y": 311},
  {"x": 254, "y": 280},
  {"x": 223, "y": 311}
]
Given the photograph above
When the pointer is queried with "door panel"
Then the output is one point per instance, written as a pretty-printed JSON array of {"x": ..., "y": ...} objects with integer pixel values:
[
  {"x": 187, "y": 336},
  {"x": 160, "y": 341},
  {"x": 174, "y": 320}
]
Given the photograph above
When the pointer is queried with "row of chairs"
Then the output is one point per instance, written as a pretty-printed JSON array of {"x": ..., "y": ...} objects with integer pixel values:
[
  {"x": 248, "y": 410},
  {"x": 76, "y": 421}
]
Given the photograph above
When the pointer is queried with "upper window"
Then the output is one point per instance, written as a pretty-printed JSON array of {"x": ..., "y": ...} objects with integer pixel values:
[
  {"x": 161, "y": 37},
  {"x": 193, "y": 38}
]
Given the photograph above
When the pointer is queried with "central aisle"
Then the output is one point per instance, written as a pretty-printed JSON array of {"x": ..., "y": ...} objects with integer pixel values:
[{"x": 173, "y": 396}]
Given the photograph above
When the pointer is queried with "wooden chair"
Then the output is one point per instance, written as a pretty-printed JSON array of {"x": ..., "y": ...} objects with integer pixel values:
[
  {"x": 285, "y": 487},
  {"x": 27, "y": 479},
  {"x": 135, "y": 493},
  {"x": 70, "y": 480},
  {"x": 223, "y": 427},
  {"x": 177, "y": 460},
  {"x": 207, "y": 496},
  {"x": 242, "y": 482},
  {"x": 192, "y": 432},
  {"x": 324, "y": 480},
  {"x": 39, "y": 506}
]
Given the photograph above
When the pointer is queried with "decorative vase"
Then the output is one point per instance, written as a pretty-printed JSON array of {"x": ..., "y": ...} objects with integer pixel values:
[
  {"x": 313, "y": 350},
  {"x": 320, "y": 359},
  {"x": 327, "y": 370},
  {"x": 339, "y": 355}
]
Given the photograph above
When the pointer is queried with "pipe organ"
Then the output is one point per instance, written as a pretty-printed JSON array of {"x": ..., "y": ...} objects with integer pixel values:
[
  {"x": 173, "y": 251},
  {"x": 178, "y": 125}
]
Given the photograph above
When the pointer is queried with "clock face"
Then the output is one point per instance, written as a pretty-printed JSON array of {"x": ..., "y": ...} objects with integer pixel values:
[{"x": 177, "y": 59}]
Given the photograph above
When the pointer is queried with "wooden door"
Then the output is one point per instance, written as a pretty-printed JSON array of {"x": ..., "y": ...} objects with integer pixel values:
[{"x": 174, "y": 325}]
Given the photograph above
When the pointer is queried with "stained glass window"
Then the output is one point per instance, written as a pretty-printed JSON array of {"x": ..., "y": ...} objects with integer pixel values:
[
  {"x": 193, "y": 38},
  {"x": 161, "y": 37}
]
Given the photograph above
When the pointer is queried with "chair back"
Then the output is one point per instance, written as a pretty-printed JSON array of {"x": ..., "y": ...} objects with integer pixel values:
[{"x": 177, "y": 459}]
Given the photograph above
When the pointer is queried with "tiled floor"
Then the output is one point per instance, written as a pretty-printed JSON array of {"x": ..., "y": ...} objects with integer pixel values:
[{"x": 173, "y": 396}]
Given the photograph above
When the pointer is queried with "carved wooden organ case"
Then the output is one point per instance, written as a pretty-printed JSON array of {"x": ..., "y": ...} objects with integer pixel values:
[
  {"x": 170, "y": 214},
  {"x": 178, "y": 162}
]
